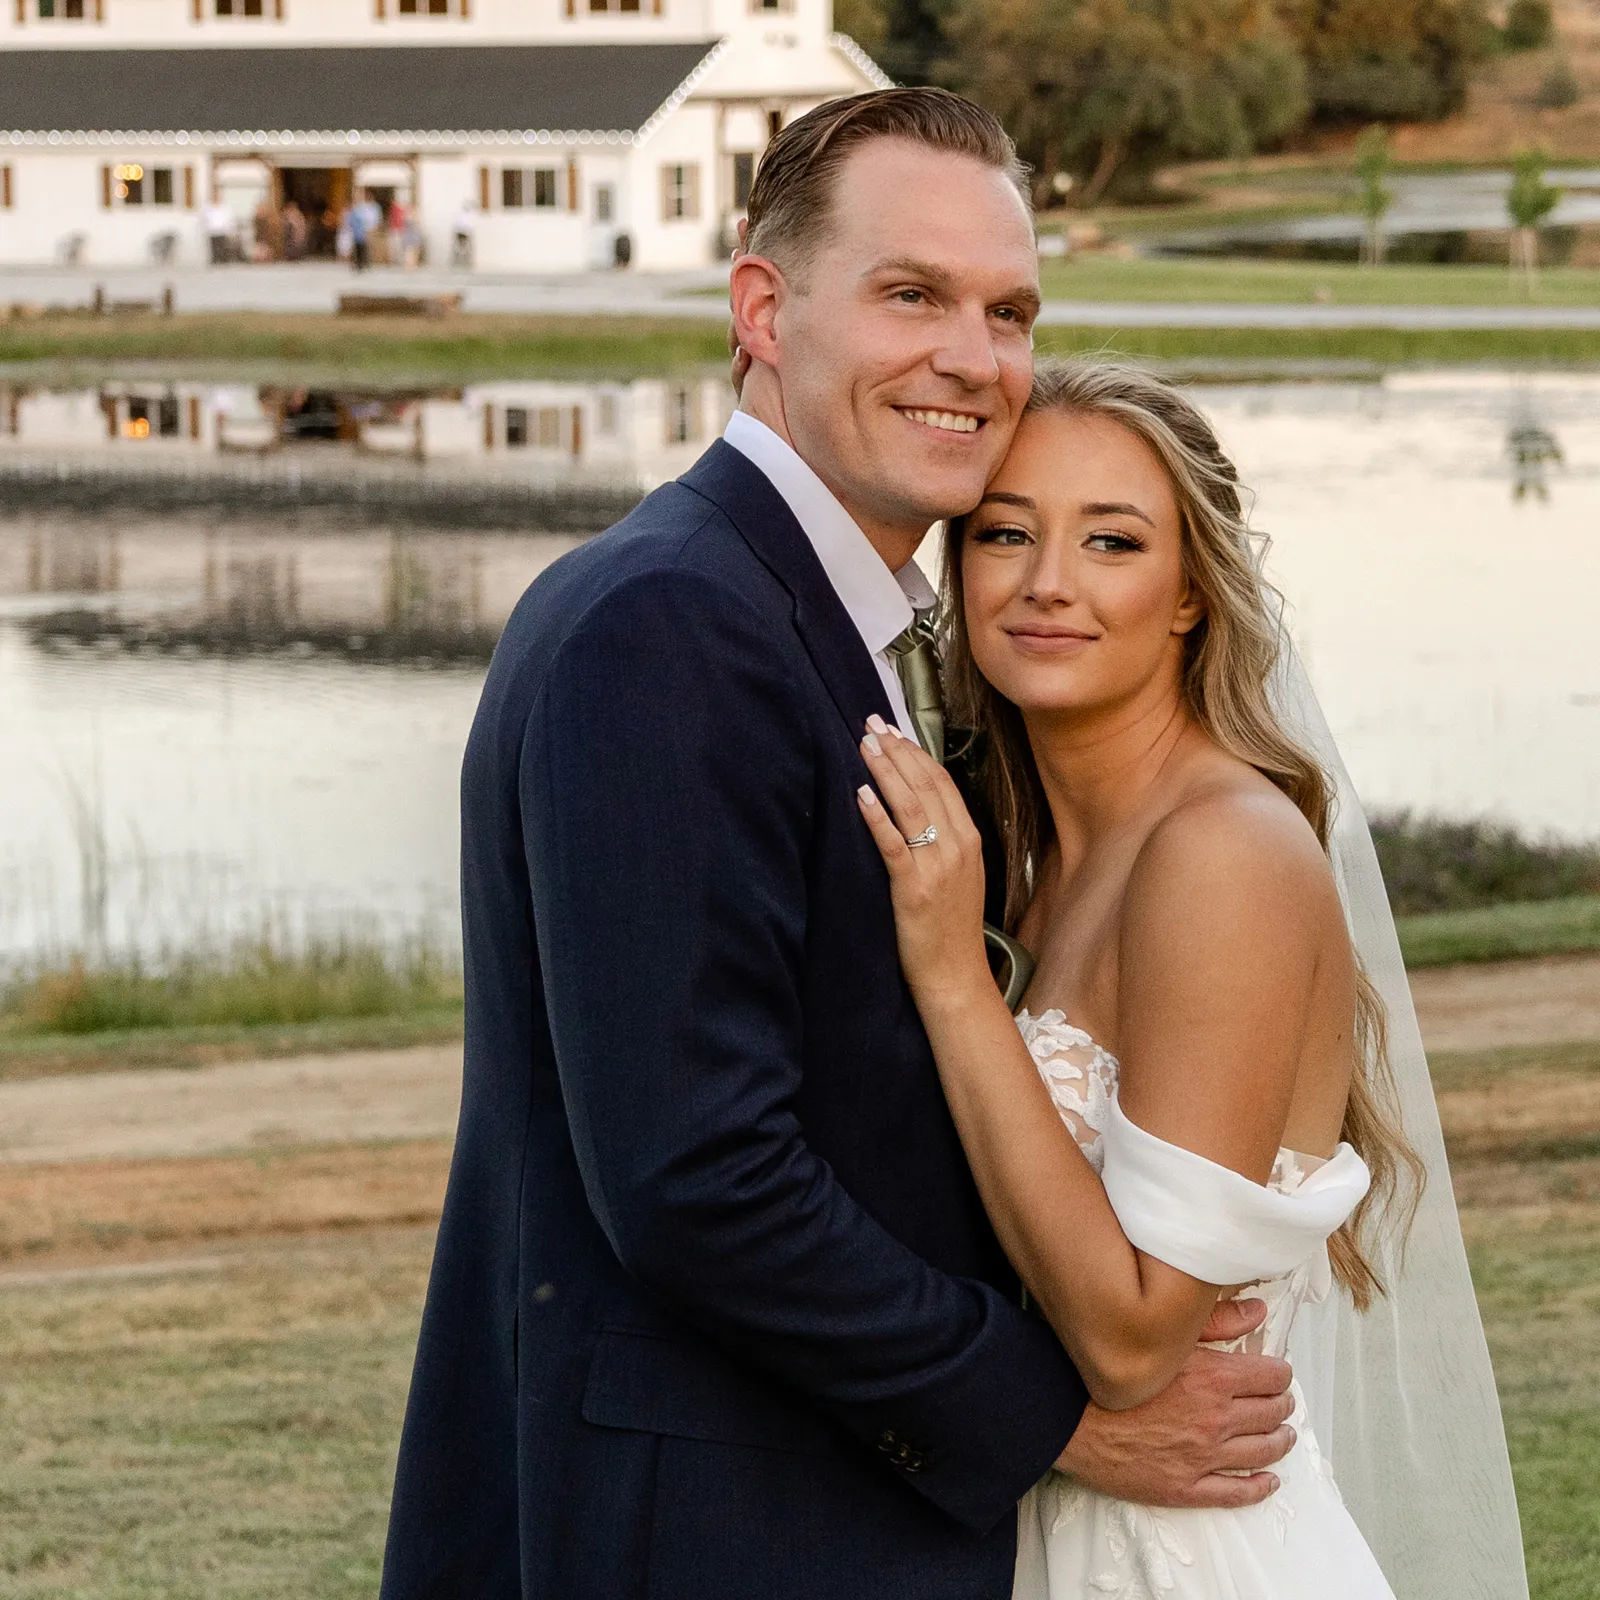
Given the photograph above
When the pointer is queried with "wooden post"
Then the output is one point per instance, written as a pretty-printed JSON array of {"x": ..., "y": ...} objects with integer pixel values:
[
  {"x": 194, "y": 416},
  {"x": 572, "y": 183},
  {"x": 105, "y": 188},
  {"x": 22, "y": 11},
  {"x": 188, "y": 188},
  {"x": 199, "y": 10},
  {"x": 577, "y": 431},
  {"x": 5, "y": 188},
  {"x": 483, "y": 188},
  {"x": 488, "y": 427}
]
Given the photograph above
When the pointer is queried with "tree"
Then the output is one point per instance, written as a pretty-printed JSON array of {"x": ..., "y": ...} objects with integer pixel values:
[
  {"x": 1388, "y": 60},
  {"x": 1372, "y": 167},
  {"x": 1560, "y": 87},
  {"x": 1529, "y": 200},
  {"x": 905, "y": 37},
  {"x": 1107, "y": 90},
  {"x": 1530, "y": 25}
]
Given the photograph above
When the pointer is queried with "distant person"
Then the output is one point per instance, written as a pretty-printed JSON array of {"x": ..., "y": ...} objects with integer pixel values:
[
  {"x": 267, "y": 233},
  {"x": 296, "y": 232},
  {"x": 463, "y": 233},
  {"x": 222, "y": 229},
  {"x": 354, "y": 228}
]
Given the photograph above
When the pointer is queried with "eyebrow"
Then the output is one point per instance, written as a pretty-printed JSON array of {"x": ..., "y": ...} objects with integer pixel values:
[
  {"x": 1092, "y": 508},
  {"x": 1024, "y": 294},
  {"x": 1115, "y": 508}
]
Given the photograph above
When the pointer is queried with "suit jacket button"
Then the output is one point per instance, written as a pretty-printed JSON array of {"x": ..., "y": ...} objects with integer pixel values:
[
  {"x": 902, "y": 1455},
  {"x": 887, "y": 1441},
  {"x": 917, "y": 1462}
]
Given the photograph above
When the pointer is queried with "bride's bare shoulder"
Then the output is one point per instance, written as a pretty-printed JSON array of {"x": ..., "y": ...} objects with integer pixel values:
[{"x": 1235, "y": 854}]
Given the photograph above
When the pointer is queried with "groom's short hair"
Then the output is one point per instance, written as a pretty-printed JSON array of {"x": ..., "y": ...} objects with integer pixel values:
[{"x": 793, "y": 192}]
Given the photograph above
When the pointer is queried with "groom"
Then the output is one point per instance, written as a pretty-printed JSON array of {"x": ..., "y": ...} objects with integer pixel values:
[{"x": 716, "y": 1313}]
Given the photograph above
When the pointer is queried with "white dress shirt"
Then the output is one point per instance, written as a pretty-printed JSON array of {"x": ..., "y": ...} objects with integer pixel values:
[{"x": 880, "y": 603}]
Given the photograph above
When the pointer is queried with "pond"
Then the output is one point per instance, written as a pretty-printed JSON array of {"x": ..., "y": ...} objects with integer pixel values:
[{"x": 235, "y": 694}]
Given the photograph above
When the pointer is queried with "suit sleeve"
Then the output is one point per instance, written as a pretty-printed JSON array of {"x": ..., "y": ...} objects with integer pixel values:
[{"x": 667, "y": 791}]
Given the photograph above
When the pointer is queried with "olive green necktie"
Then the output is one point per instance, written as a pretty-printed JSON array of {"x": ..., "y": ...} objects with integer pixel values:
[{"x": 915, "y": 654}]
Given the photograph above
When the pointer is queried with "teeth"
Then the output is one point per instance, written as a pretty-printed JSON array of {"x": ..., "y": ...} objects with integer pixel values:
[{"x": 950, "y": 421}]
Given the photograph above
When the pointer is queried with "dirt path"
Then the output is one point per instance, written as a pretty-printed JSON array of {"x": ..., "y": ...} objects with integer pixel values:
[
  {"x": 1554, "y": 1001},
  {"x": 247, "y": 1105},
  {"x": 412, "y": 1094}
]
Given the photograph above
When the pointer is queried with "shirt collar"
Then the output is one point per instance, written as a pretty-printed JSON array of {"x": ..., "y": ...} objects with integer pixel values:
[{"x": 880, "y": 603}]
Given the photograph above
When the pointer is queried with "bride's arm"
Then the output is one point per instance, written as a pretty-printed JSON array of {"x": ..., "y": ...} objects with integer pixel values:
[{"x": 1217, "y": 961}]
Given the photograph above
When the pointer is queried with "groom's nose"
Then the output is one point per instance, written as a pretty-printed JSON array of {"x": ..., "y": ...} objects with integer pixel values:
[{"x": 965, "y": 350}]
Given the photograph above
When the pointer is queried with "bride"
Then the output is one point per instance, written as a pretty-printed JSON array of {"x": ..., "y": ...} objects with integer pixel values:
[{"x": 1198, "y": 1099}]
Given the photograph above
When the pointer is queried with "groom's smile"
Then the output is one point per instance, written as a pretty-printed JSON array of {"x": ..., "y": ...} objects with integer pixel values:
[{"x": 953, "y": 422}]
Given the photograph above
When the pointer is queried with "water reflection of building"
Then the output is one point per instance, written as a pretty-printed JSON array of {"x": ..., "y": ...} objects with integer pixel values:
[
  {"x": 234, "y": 586},
  {"x": 639, "y": 432}
]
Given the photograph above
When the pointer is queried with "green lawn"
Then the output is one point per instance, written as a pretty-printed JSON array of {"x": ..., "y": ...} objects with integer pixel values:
[
  {"x": 462, "y": 349},
  {"x": 231, "y": 1436},
  {"x": 1538, "y": 1278},
  {"x": 1101, "y": 276},
  {"x": 227, "y": 1436}
]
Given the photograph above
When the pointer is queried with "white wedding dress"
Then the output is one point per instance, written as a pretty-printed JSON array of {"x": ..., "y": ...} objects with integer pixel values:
[{"x": 1301, "y": 1544}]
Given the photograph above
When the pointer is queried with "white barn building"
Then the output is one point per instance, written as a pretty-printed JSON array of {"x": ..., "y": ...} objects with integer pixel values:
[{"x": 556, "y": 135}]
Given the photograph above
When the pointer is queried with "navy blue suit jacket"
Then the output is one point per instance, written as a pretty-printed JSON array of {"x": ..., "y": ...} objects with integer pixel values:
[{"x": 715, "y": 1313}]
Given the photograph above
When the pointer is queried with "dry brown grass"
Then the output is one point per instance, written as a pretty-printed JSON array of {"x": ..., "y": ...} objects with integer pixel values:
[{"x": 119, "y": 1210}]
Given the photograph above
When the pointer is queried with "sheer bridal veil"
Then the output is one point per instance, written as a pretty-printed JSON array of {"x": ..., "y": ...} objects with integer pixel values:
[{"x": 1402, "y": 1398}]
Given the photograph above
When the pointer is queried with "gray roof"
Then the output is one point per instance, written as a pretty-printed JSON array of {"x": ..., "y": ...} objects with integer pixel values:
[{"x": 421, "y": 88}]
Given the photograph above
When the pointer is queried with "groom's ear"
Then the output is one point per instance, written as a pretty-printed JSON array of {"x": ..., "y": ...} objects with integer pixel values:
[{"x": 757, "y": 290}]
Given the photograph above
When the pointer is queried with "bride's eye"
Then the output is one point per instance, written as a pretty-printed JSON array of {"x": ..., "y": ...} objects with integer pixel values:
[
  {"x": 1001, "y": 534},
  {"x": 1114, "y": 543}
]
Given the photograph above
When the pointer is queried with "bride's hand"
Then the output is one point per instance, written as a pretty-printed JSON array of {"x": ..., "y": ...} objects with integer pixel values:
[{"x": 937, "y": 887}]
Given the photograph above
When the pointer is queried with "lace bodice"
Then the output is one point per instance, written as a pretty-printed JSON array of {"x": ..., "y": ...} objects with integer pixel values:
[{"x": 1080, "y": 1075}]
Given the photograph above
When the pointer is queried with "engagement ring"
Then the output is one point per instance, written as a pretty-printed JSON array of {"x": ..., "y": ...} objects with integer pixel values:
[{"x": 929, "y": 835}]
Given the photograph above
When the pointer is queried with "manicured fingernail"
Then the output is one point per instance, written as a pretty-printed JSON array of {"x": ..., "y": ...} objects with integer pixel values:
[
  {"x": 868, "y": 798},
  {"x": 871, "y": 742},
  {"x": 1277, "y": 1483},
  {"x": 877, "y": 724},
  {"x": 894, "y": 731}
]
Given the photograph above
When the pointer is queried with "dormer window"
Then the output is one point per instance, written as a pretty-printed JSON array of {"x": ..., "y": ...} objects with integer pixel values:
[
  {"x": 245, "y": 8},
  {"x": 428, "y": 8},
  {"x": 71, "y": 10}
]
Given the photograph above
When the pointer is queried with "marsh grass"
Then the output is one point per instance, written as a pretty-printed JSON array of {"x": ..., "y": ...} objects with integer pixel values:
[
  {"x": 1433, "y": 864},
  {"x": 251, "y": 984},
  {"x": 1501, "y": 933}
]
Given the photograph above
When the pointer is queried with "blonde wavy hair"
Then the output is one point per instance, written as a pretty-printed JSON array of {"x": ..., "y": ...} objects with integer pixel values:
[{"x": 1229, "y": 660}]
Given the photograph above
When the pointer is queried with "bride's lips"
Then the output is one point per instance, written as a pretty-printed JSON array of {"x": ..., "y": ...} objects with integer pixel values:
[{"x": 1044, "y": 641}]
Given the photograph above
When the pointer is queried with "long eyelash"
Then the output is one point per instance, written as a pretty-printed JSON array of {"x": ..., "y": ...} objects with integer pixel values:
[{"x": 1126, "y": 541}]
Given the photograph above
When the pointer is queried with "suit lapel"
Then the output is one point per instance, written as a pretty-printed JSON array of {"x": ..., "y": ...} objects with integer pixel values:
[{"x": 733, "y": 483}]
